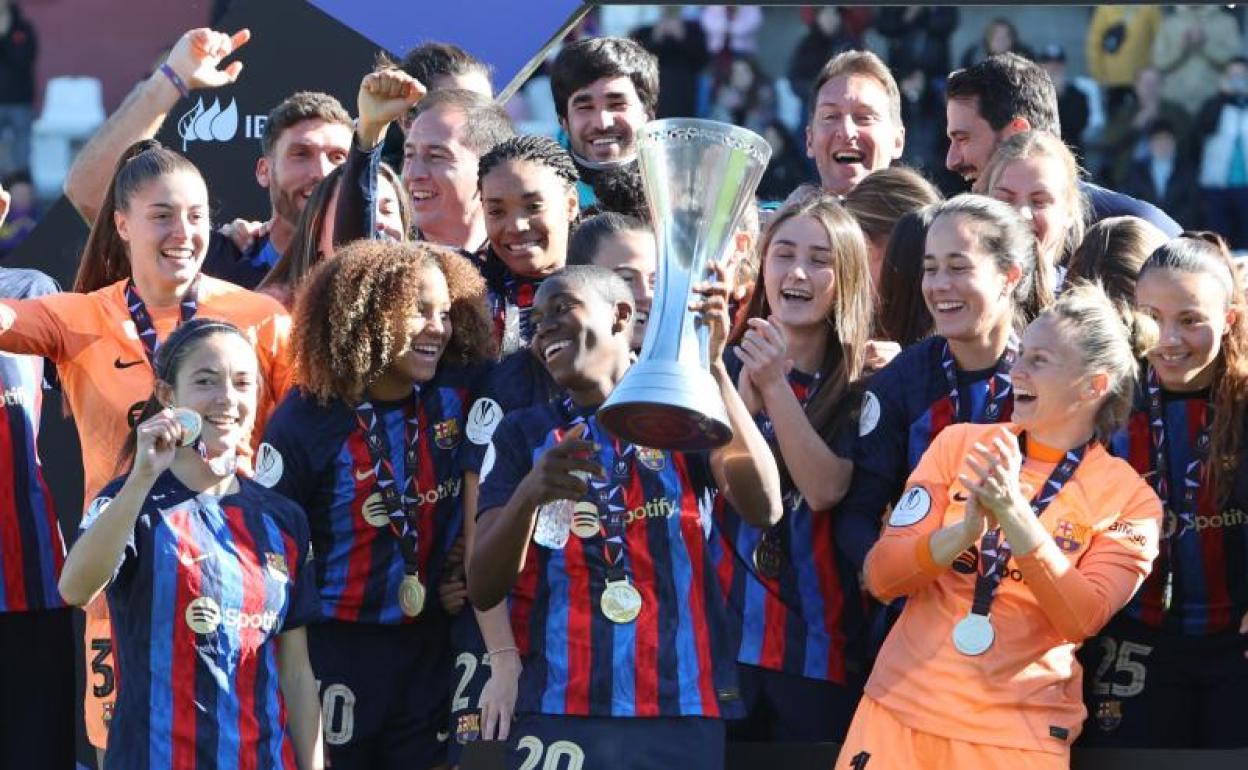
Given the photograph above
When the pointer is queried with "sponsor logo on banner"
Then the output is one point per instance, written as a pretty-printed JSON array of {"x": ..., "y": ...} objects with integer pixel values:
[{"x": 217, "y": 123}]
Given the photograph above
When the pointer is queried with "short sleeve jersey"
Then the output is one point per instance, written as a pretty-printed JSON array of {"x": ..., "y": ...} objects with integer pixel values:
[
  {"x": 1205, "y": 559},
  {"x": 516, "y": 382},
  {"x": 104, "y": 370},
  {"x": 203, "y": 588},
  {"x": 317, "y": 454},
  {"x": 678, "y": 657},
  {"x": 798, "y": 620},
  {"x": 907, "y": 404},
  {"x": 32, "y": 550},
  {"x": 1024, "y": 691}
]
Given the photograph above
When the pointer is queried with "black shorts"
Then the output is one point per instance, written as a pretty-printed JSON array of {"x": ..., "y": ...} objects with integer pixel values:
[
  {"x": 787, "y": 707},
  {"x": 470, "y": 673},
  {"x": 38, "y": 709},
  {"x": 1146, "y": 688},
  {"x": 384, "y": 693},
  {"x": 625, "y": 743}
]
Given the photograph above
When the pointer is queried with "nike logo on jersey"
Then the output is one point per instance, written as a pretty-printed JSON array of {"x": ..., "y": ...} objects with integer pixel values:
[
  {"x": 364, "y": 474},
  {"x": 190, "y": 561},
  {"x": 126, "y": 364},
  {"x": 960, "y": 497}
]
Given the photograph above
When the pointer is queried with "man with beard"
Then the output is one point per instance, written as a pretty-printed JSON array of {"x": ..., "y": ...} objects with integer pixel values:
[
  {"x": 605, "y": 89},
  {"x": 1004, "y": 95},
  {"x": 306, "y": 136}
]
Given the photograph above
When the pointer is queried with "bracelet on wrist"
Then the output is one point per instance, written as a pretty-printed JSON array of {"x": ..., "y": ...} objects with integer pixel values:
[
  {"x": 501, "y": 650},
  {"x": 176, "y": 79}
]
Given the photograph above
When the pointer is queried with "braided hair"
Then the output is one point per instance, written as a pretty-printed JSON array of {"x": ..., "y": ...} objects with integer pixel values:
[{"x": 534, "y": 149}]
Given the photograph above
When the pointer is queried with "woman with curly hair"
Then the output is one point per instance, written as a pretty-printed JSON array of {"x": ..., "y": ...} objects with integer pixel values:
[
  {"x": 387, "y": 334},
  {"x": 528, "y": 191}
]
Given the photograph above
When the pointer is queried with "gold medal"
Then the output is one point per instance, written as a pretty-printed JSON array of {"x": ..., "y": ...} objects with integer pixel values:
[
  {"x": 411, "y": 595},
  {"x": 620, "y": 602},
  {"x": 769, "y": 556}
]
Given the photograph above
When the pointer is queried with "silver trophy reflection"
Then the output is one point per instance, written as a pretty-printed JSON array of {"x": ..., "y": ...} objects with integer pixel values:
[{"x": 699, "y": 176}]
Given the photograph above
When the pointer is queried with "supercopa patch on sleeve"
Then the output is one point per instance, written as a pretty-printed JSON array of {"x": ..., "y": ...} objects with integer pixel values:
[
  {"x": 912, "y": 508},
  {"x": 869, "y": 417}
]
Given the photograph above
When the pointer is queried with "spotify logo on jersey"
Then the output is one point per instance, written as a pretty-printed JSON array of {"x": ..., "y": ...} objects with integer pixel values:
[{"x": 203, "y": 616}]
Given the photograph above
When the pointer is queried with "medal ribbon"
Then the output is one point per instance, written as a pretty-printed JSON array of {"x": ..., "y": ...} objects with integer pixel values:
[
  {"x": 397, "y": 501},
  {"x": 143, "y": 319},
  {"x": 1000, "y": 389},
  {"x": 776, "y": 535},
  {"x": 1194, "y": 475},
  {"x": 995, "y": 551},
  {"x": 609, "y": 493}
]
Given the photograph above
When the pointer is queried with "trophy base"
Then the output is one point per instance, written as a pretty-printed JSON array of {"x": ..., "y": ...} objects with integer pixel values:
[{"x": 667, "y": 405}]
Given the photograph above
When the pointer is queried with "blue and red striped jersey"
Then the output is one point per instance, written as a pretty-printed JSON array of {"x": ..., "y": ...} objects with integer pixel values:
[
  {"x": 516, "y": 382},
  {"x": 32, "y": 549},
  {"x": 316, "y": 454},
  {"x": 203, "y": 588},
  {"x": 1207, "y": 561},
  {"x": 906, "y": 405},
  {"x": 800, "y": 619},
  {"x": 677, "y": 658}
]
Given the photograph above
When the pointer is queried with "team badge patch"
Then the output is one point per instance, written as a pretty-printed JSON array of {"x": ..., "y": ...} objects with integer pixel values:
[
  {"x": 869, "y": 417},
  {"x": 1069, "y": 536},
  {"x": 275, "y": 563},
  {"x": 446, "y": 434},
  {"x": 269, "y": 465},
  {"x": 654, "y": 459},
  {"x": 483, "y": 418},
  {"x": 1109, "y": 715},
  {"x": 467, "y": 727},
  {"x": 912, "y": 508}
]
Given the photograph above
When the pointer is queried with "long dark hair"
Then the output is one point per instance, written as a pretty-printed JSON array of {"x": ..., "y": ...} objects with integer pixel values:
[
  {"x": 105, "y": 259},
  {"x": 170, "y": 356},
  {"x": 903, "y": 316},
  {"x": 1205, "y": 252}
]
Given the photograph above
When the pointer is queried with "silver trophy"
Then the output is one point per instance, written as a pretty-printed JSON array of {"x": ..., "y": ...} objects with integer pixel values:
[{"x": 699, "y": 176}]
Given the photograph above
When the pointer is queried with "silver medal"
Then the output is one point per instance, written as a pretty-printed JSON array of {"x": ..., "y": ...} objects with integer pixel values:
[{"x": 973, "y": 634}]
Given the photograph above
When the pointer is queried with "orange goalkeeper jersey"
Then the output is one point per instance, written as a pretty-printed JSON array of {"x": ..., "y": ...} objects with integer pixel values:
[
  {"x": 1025, "y": 691},
  {"x": 104, "y": 371}
]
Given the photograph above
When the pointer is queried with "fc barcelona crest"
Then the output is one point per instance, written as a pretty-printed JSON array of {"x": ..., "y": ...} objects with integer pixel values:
[
  {"x": 275, "y": 563},
  {"x": 1069, "y": 536},
  {"x": 446, "y": 434},
  {"x": 1109, "y": 715},
  {"x": 654, "y": 459}
]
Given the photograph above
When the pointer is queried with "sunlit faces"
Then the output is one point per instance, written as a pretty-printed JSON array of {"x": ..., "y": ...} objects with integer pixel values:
[
  {"x": 1051, "y": 388},
  {"x": 1040, "y": 190},
  {"x": 965, "y": 291},
  {"x": 1193, "y": 315},
  {"x": 219, "y": 379},
  {"x": 528, "y": 212},
  {"x": 851, "y": 133},
  {"x": 632, "y": 255},
  {"x": 971, "y": 140},
  {"x": 428, "y": 330},
  {"x": 165, "y": 227},
  {"x": 603, "y": 119},
  {"x": 302, "y": 156},
  {"x": 576, "y": 332},
  {"x": 440, "y": 174},
  {"x": 798, "y": 274},
  {"x": 388, "y": 215}
]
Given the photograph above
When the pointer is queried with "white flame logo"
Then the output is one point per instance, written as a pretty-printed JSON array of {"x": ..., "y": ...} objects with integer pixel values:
[{"x": 208, "y": 125}]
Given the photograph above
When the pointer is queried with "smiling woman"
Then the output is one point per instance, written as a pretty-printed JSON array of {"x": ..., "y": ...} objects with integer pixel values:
[
  {"x": 368, "y": 444},
  {"x": 139, "y": 279},
  {"x": 528, "y": 192}
]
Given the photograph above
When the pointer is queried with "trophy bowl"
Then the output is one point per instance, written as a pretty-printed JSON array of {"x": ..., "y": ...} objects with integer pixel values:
[{"x": 699, "y": 175}]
